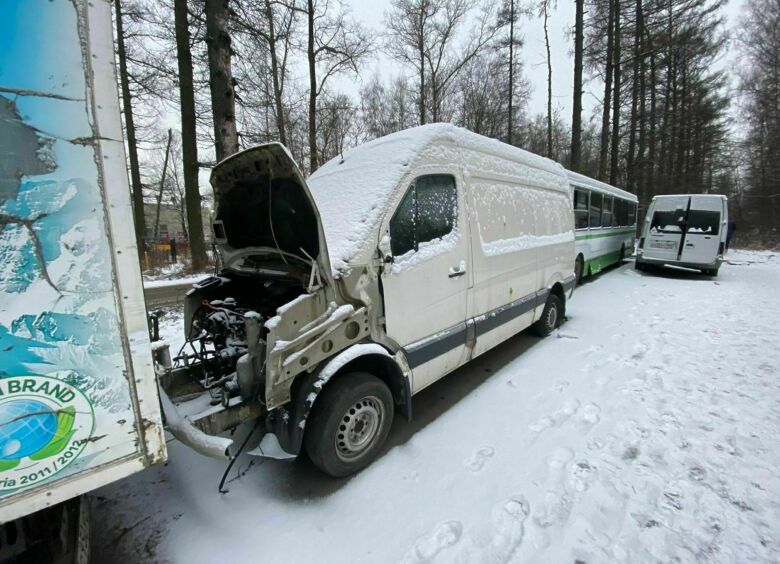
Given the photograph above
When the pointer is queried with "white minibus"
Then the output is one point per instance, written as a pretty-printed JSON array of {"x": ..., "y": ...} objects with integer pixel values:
[
  {"x": 687, "y": 230},
  {"x": 344, "y": 294}
]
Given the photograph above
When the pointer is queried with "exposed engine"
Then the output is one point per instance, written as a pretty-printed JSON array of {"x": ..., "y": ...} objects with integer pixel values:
[
  {"x": 217, "y": 341},
  {"x": 225, "y": 347}
]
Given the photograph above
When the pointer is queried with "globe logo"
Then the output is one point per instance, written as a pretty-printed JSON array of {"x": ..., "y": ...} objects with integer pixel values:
[{"x": 26, "y": 426}]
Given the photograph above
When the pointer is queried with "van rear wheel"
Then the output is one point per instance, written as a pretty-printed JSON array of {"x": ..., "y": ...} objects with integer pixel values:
[
  {"x": 349, "y": 424},
  {"x": 551, "y": 316}
]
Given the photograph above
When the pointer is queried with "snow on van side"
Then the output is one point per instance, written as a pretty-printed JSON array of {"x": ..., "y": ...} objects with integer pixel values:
[{"x": 353, "y": 192}]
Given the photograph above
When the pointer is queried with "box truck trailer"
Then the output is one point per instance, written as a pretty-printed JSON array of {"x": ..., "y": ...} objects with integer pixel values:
[{"x": 79, "y": 406}]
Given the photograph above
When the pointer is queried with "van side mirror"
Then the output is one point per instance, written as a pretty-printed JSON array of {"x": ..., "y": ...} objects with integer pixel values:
[{"x": 385, "y": 249}]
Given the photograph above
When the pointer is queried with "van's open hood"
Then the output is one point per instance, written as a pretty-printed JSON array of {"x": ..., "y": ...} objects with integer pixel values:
[{"x": 266, "y": 220}]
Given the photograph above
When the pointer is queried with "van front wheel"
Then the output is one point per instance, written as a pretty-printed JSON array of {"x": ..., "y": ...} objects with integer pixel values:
[
  {"x": 551, "y": 316},
  {"x": 349, "y": 424}
]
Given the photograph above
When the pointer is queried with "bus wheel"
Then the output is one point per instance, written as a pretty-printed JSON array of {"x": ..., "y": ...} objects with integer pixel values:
[
  {"x": 578, "y": 266},
  {"x": 551, "y": 316},
  {"x": 622, "y": 253},
  {"x": 349, "y": 424}
]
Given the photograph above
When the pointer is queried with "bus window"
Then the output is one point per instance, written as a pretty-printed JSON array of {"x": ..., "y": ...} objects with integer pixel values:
[
  {"x": 595, "y": 209},
  {"x": 631, "y": 213},
  {"x": 580, "y": 209},
  {"x": 606, "y": 212},
  {"x": 620, "y": 213}
]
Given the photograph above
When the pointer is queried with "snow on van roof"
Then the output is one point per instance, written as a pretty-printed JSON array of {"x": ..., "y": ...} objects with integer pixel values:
[
  {"x": 587, "y": 182},
  {"x": 352, "y": 191}
]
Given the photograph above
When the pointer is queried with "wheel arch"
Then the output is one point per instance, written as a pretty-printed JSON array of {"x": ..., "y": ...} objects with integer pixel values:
[
  {"x": 558, "y": 291},
  {"x": 288, "y": 422}
]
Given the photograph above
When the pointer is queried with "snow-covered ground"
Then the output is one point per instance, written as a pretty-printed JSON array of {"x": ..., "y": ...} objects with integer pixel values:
[{"x": 646, "y": 430}]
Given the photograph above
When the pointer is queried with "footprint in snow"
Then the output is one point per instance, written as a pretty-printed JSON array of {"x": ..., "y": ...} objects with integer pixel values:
[
  {"x": 508, "y": 528},
  {"x": 477, "y": 460},
  {"x": 589, "y": 415},
  {"x": 581, "y": 475},
  {"x": 428, "y": 546},
  {"x": 568, "y": 409},
  {"x": 555, "y": 508}
]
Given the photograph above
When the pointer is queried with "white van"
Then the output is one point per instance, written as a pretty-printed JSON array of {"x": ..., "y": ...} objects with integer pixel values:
[
  {"x": 345, "y": 294},
  {"x": 686, "y": 230}
]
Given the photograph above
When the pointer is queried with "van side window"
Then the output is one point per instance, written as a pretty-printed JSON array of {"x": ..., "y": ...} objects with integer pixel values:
[
  {"x": 595, "y": 209},
  {"x": 427, "y": 212},
  {"x": 580, "y": 209},
  {"x": 606, "y": 212}
]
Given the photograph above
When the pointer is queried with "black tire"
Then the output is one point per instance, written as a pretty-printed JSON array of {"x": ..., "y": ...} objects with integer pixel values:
[
  {"x": 353, "y": 405},
  {"x": 551, "y": 316},
  {"x": 622, "y": 254},
  {"x": 711, "y": 272},
  {"x": 640, "y": 266},
  {"x": 579, "y": 265}
]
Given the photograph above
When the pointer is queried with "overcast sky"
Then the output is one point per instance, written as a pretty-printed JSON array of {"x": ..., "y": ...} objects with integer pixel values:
[{"x": 371, "y": 14}]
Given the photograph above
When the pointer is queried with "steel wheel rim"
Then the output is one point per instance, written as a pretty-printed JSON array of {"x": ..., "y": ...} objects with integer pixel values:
[
  {"x": 359, "y": 428},
  {"x": 552, "y": 317}
]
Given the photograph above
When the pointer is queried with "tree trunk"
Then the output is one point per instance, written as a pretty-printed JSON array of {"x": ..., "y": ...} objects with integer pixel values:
[
  {"x": 313, "y": 158},
  {"x": 132, "y": 144},
  {"x": 511, "y": 117},
  {"x": 549, "y": 84},
  {"x": 189, "y": 147},
  {"x": 604, "y": 149},
  {"x": 631, "y": 162},
  {"x": 576, "y": 115},
  {"x": 421, "y": 46},
  {"x": 614, "y": 156},
  {"x": 278, "y": 102},
  {"x": 223, "y": 97},
  {"x": 162, "y": 187}
]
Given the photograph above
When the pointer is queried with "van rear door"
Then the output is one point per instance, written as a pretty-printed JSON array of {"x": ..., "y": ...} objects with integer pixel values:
[
  {"x": 704, "y": 224},
  {"x": 665, "y": 232}
]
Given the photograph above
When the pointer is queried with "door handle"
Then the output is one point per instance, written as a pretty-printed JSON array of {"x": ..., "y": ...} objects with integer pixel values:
[
  {"x": 456, "y": 271},
  {"x": 689, "y": 245}
]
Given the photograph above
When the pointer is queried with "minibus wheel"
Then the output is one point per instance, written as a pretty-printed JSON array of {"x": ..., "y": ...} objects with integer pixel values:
[
  {"x": 578, "y": 266},
  {"x": 349, "y": 424},
  {"x": 551, "y": 316}
]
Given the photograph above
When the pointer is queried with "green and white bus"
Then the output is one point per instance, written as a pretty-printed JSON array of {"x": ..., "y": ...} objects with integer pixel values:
[{"x": 604, "y": 223}]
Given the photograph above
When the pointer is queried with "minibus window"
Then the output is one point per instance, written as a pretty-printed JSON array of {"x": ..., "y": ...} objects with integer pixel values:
[
  {"x": 595, "y": 209},
  {"x": 606, "y": 213},
  {"x": 703, "y": 221},
  {"x": 631, "y": 213},
  {"x": 671, "y": 221},
  {"x": 427, "y": 212},
  {"x": 580, "y": 209},
  {"x": 402, "y": 225},
  {"x": 436, "y": 206}
]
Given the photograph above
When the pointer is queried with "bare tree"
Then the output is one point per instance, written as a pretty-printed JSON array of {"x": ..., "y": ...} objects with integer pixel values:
[
  {"x": 424, "y": 33},
  {"x": 223, "y": 96},
  {"x": 265, "y": 36},
  {"x": 544, "y": 12},
  {"x": 132, "y": 144},
  {"x": 576, "y": 114},
  {"x": 335, "y": 44},
  {"x": 188, "y": 136}
]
